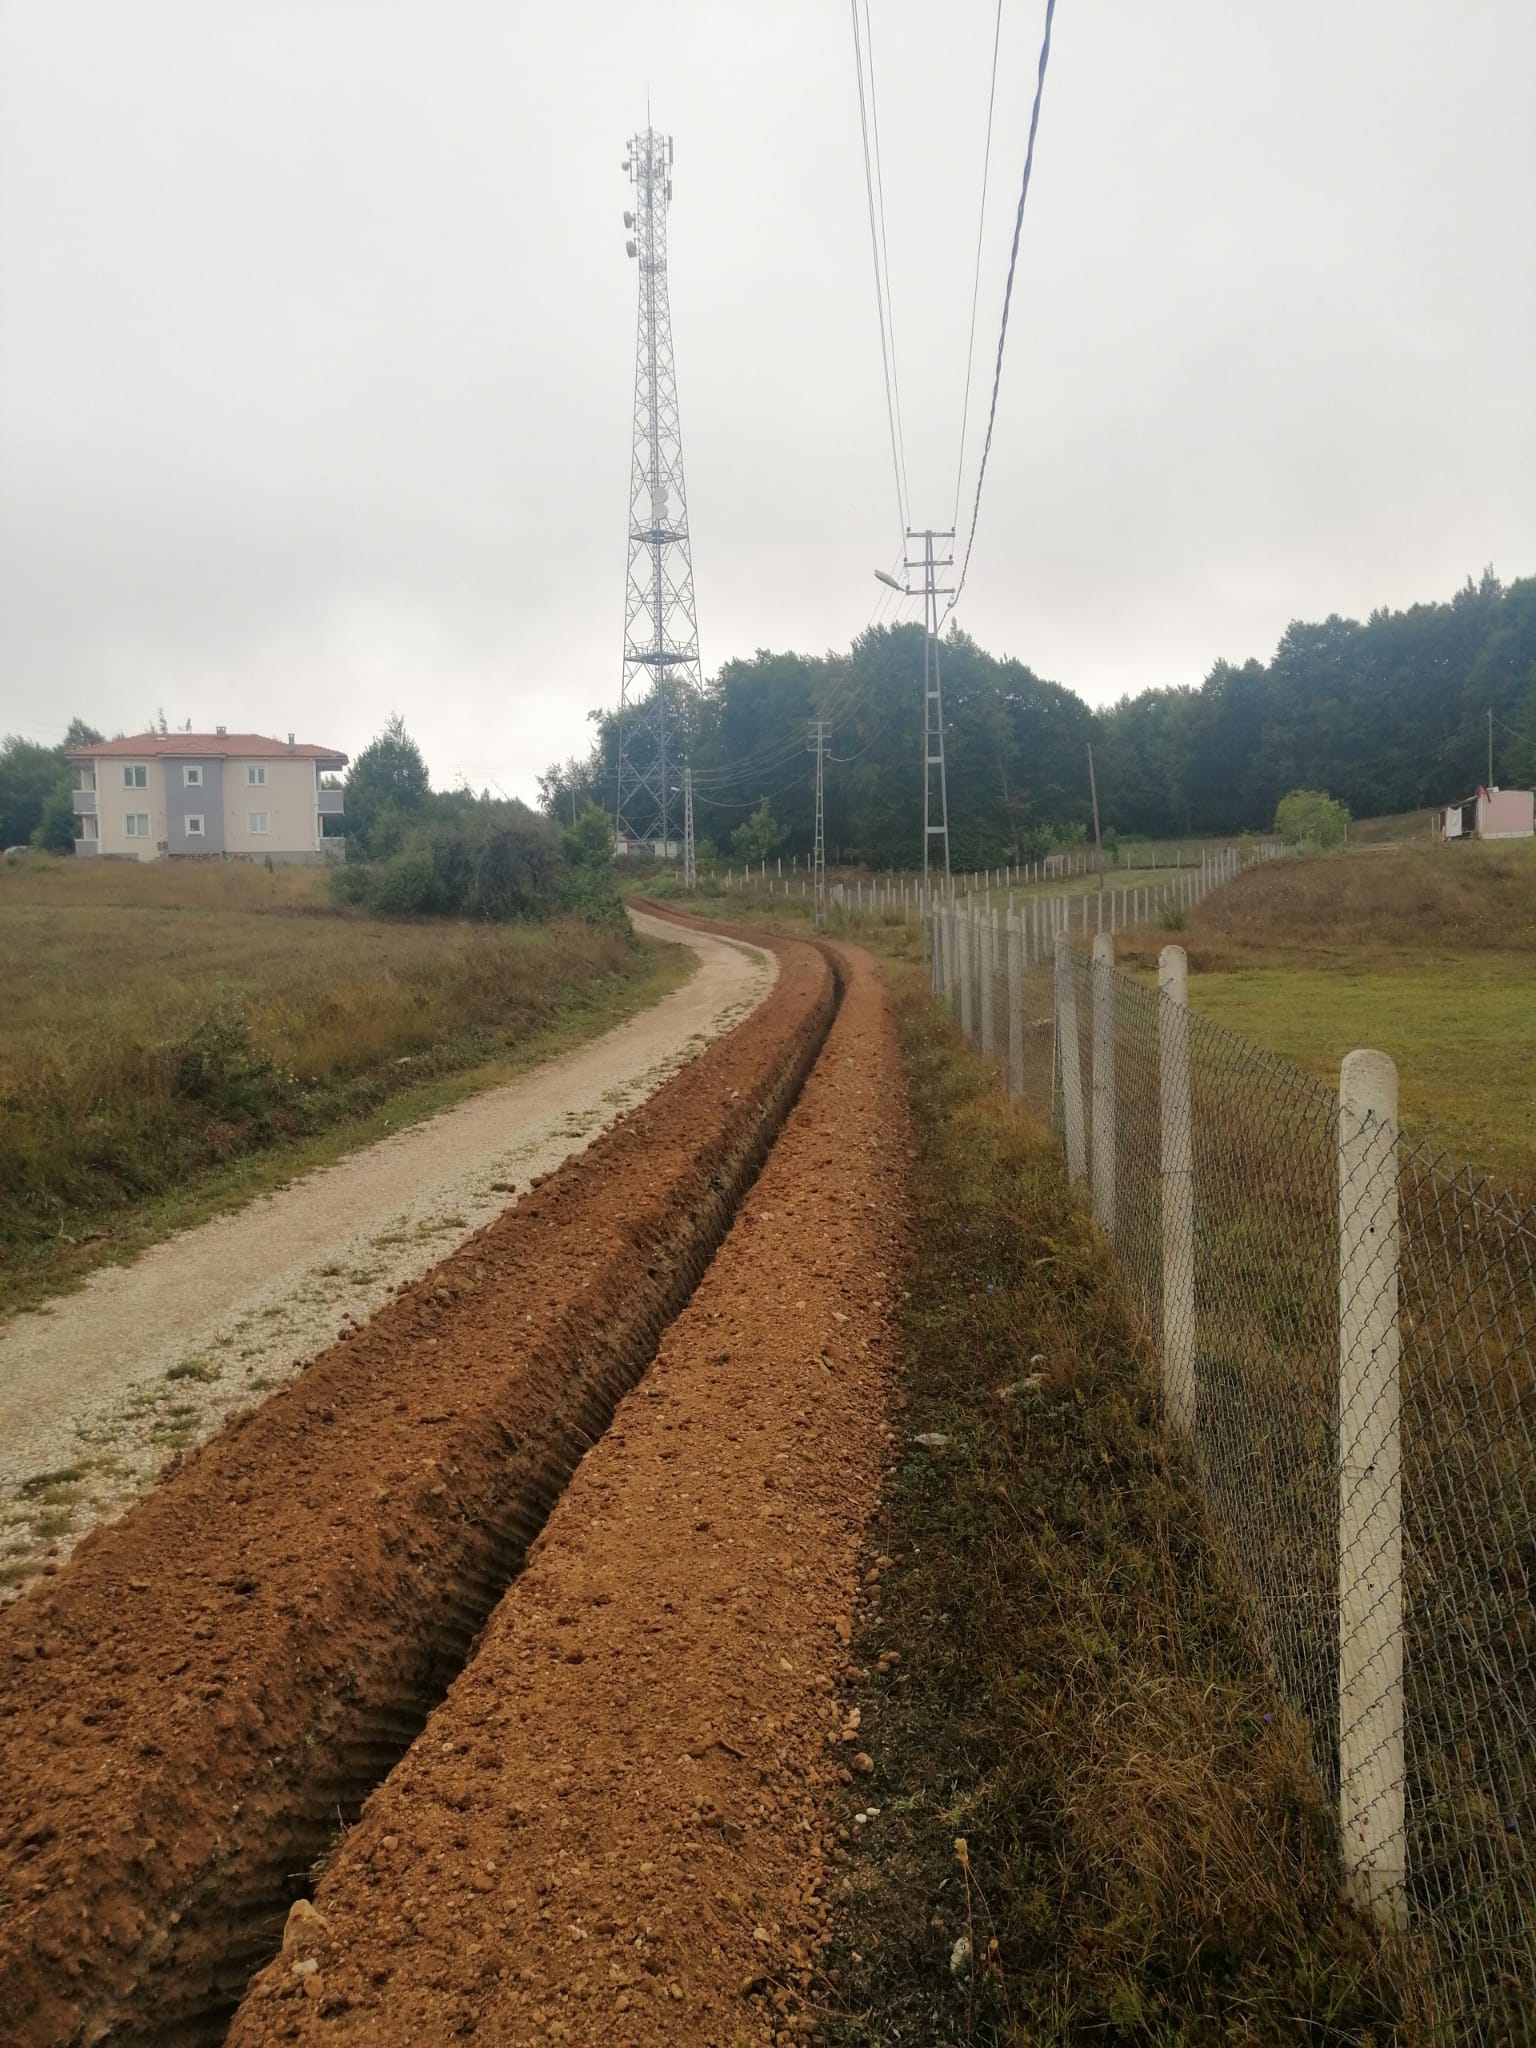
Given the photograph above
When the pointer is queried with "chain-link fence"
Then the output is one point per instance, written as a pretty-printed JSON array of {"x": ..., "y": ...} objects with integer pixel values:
[{"x": 1342, "y": 1324}]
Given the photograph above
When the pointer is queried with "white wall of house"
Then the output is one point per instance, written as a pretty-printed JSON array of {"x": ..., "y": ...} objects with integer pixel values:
[
  {"x": 116, "y": 803},
  {"x": 285, "y": 794}
]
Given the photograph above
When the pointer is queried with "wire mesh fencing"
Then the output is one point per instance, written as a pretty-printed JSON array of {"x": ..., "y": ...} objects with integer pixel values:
[{"x": 1343, "y": 1326}]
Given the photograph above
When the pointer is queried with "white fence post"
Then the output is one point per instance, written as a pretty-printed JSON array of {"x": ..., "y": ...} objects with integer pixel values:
[
  {"x": 1104, "y": 1083},
  {"x": 1371, "y": 1775},
  {"x": 1178, "y": 1165},
  {"x": 964, "y": 964},
  {"x": 1016, "y": 1008},
  {"x": 1071, "y": 1061},
  {"x": 985, "y": 940}
]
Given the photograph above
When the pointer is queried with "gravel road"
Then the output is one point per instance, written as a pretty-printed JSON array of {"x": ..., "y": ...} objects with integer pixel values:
[{"x": 101, "y": 1388}]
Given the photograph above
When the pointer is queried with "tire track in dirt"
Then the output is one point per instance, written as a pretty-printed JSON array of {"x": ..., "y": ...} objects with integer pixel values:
[
  {"x": 217, "y": 1679},
  {"x": 614, "y": 1830}
]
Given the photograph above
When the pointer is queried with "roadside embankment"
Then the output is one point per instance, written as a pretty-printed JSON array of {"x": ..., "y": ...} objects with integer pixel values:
[
  {"x": 614, "y": 1829},
  {"x": 215, "y": 1681}
]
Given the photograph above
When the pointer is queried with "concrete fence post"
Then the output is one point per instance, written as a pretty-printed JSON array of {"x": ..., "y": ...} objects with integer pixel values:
[
  {"x": 1371, "y": 1774},
  {"x": 1178, "y": 1173},
  {"x": 1016, "y": 1008},
  {"x": 1071, "y": 1060},
  {"x": 986, "y": 939},
  {"x": 967, "y": 935},
  {"x": 1104, "y": 1083}
]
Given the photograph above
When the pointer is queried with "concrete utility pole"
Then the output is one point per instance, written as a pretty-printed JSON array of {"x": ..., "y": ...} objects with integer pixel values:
[
  {"x": 930, "y": 563},
  {"x": 820, "y": 730},
  {"x": 690, "y": 876},
  {"x": 1093, "y": 791}
]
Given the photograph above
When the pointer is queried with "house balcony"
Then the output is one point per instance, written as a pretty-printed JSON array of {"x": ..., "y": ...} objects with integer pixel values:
[
  {"x": 332, "y": 803},
  {"x": 84, "y": 802}
]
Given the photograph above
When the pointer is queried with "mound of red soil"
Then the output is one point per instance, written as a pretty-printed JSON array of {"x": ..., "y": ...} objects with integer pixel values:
[
  {"x": 214, "y": 1682},
  {"x": 613, "y": 1829}
]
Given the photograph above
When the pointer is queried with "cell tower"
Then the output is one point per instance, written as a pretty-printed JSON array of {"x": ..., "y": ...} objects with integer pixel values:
[{"x": 661, "y": 638}]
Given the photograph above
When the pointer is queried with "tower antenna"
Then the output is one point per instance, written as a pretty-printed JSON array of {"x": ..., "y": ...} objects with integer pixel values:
[{"x": 661, "y": 650}]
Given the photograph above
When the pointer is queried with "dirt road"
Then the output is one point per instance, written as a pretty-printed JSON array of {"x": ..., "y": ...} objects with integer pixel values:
[{"x": 99, "y": 1390}]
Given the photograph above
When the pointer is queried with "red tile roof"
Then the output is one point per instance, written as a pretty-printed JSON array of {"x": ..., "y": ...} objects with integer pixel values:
[{"x": 206, "y": 746}]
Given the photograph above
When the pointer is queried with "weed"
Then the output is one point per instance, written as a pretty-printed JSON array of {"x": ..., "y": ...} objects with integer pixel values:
[
  {"x": 43, "y": 1483},
  {"x": 199, "y": 1369},
  {"x": 1077, "y": 1692}
]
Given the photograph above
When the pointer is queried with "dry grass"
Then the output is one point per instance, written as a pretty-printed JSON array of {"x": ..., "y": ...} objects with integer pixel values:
[
  {"x": 160, "y": 1023},
  {"x": 1078, "y": 1696}
]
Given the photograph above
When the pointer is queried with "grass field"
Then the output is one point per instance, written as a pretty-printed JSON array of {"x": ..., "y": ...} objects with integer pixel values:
[
  {"x": 1425, "y": 953},
  {"x": 177, "y": 1038}
]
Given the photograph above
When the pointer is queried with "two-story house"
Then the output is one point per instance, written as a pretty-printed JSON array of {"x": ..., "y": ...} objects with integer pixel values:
[{"x": 168, "y": 795}]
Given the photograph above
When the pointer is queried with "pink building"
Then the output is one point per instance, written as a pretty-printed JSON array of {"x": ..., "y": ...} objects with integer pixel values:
[{"x": 1492, "y": 814}]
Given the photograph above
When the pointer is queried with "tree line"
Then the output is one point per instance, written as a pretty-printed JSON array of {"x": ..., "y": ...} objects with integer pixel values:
[{"x": 1386, "y": 715}]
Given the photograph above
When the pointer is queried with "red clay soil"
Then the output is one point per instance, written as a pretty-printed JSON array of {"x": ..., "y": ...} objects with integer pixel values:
[
  {"x": 189, "y": 1707},
  {"x": 614, "y": 1829}
]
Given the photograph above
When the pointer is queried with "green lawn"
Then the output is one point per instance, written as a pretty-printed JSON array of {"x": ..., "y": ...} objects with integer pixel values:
[{"x": 1463, "y": 1033}]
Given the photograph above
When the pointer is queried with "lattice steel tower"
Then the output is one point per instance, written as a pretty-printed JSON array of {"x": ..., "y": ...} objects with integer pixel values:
[{"x": 661, "y": 640}]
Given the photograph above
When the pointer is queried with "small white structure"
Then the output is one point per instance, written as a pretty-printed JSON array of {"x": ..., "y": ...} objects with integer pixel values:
[{"x": 1492, "y": 814}]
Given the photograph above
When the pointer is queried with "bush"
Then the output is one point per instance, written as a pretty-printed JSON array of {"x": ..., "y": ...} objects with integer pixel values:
[
  {"x": 492, "y": 862},
  {"x": 1310, "y": 817}
]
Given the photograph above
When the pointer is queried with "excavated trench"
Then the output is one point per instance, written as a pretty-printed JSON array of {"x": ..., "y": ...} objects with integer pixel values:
[{"x": 214, "y": 1684}]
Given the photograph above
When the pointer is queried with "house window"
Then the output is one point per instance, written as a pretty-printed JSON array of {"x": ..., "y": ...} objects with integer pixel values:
[
  {"x": 136, "y": 825},
  {"x": 195, "y": 825},
  {"x": 135, "y": 775},
  {"x": 256, "y": 821},
  {"x": 192, "y": 778},
  {"x": 256, "y": 778}
]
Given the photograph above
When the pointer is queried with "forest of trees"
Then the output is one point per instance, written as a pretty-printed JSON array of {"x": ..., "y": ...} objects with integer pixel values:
[{"x": 1386, "y": 716}]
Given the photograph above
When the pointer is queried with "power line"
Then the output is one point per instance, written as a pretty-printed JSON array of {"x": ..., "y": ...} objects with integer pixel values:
[
  {"x": 874, "y": 245},
  {"x": 970, "y": 347},
  {"x": 885, "y": 253},
  {"x": 1013, "y": 258}
]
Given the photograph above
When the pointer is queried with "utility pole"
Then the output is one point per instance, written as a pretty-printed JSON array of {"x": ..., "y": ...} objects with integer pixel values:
[
  {"x": 690, "y": 877},
  {"x": 661, "y": 650},
  {"x": 820, "y": 731},
  {"x": 1490, "y": 746},
  {"x": 1093, "y": 791},
  {"x": 930, "y": 562}
]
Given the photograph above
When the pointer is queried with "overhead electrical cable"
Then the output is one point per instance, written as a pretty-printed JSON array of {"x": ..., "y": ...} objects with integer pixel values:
[
  {"x": 874, "y": 244},
  {"x": 997, "y": 373},
  {"x": 970, "y": 347},
  {"x": 885, "y": 253}
]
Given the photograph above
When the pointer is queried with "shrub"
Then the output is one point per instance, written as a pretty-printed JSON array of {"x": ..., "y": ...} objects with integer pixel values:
[
  {"x": 492, "y": 862},
  {"x": 1310, "y": 817}
]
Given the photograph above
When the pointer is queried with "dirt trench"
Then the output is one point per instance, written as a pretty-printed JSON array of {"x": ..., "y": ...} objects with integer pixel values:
[
  {"x": 207, "y": 1691},
  {"x": 614, "y": 1829}
]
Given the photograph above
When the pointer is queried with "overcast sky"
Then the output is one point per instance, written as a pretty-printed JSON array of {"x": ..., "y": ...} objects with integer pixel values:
[{"x": 317, "y": 330}]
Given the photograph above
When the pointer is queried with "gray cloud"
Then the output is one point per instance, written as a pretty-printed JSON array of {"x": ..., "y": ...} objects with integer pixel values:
[{"x": 316, "y": 340}]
